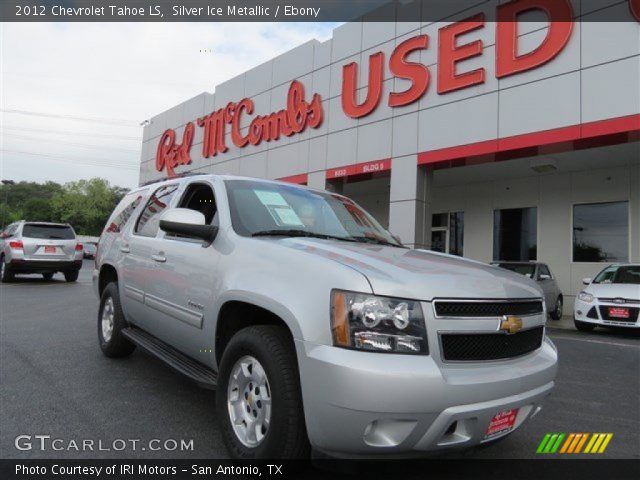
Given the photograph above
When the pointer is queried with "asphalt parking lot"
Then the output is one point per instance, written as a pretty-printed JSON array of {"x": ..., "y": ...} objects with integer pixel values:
[{"x": 55, "y": 381}]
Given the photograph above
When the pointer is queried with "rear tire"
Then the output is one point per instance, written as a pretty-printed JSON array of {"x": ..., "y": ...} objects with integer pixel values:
[
  {"x": 557, "y": 313},
  {"x": 584, "y": 326},
  {"x": 71, "y": 276},
  {"x": 271, "y": 350},
  {"x": 47, "y": 276},
  {"x": 111, "y": 322},
  {"x": 6, "y": 275}
]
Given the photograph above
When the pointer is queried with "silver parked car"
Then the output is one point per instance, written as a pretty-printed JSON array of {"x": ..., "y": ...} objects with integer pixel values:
[
  {"x": 315, "y": 326},
  {"x": 540, "y": 272},
  {"x": 39, "y": 247}
]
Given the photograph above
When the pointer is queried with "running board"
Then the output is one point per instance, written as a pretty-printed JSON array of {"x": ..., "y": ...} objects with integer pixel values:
[{"x": 200, "y": 374}]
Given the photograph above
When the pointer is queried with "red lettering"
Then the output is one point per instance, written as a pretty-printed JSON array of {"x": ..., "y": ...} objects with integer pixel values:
[
  {"x": 171, "y": 154},
  {"x": 245, "y": 105},
  {"x": 450, "y": 53},
  {"x": 416, "y": 72},
  {"x": 350, "y": 82},
  {"x": 214, "y": 133},
  {"x": 634, "y": 6},
  {"x": 508, "y": 60}
]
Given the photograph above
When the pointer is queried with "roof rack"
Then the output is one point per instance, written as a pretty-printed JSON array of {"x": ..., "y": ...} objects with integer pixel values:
[{"x": 179, "y": 175}]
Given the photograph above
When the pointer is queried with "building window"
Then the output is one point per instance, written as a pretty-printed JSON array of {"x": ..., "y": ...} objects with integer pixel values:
[
  {"x": 601, "y": 232},
  {"x": 447, "y": 233},
  {"x": 515, "y": 234}
]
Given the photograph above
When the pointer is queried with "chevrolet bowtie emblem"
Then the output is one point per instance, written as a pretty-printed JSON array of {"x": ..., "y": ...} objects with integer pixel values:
[{"x": 510, "y": 324}]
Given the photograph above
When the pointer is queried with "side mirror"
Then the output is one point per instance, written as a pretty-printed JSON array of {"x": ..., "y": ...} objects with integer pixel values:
[
  {"x": 586, "y": 281},
  {"x": 544, "y": 276},
  {"x": 188, "y": 223}
]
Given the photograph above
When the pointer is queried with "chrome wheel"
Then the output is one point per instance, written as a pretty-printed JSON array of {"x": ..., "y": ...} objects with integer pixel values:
[
  {"x": 107, "y": 319},
  {"x": 249, "y": 401},
  {"x": 1, "y": 267},
  {"x": 559, "y": 308}
]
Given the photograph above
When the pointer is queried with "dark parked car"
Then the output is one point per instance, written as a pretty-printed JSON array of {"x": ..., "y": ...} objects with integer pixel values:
[{"x": 542, "y": 275}]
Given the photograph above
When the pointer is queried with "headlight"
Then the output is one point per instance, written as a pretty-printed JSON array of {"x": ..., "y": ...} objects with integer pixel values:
[
  {"x": 380, "y": 324},
  {"x": 585, "y": 297}
]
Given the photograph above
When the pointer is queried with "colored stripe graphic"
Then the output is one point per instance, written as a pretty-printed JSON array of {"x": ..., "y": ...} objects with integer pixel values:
[{"x": 573, "y": 443}]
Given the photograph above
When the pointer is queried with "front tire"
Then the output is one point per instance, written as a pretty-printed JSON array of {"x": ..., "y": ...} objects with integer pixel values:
[
  {"x": 557, "y": 313},
  {"x": 71, "y": 276},
  {"x": 258, "y": 396},
  {"x": 584, "y": 326},
  {"x": 47, "y": 276},
  {"x": 6, "y": 275},
  {"x": 111, "y": 322}
]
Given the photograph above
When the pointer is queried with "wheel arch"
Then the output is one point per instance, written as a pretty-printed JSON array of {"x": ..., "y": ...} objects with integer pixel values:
[
  {"x": 240, "y": 310},
  {"x": 108, "y": 274}
]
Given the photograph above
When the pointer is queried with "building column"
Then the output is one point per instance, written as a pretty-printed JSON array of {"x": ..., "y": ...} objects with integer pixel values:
[
  {"x": 317, "y": 180},
  {"x": 634, "y": 211},
  {"x": 410, "y": 202}
]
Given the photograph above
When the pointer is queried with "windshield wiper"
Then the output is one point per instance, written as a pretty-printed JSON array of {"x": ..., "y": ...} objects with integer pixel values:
[
  {"x": 378, "y": 241},
  {"x": 299, "y": 233}
]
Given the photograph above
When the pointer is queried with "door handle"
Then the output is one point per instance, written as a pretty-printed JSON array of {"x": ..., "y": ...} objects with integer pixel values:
[
  {"x": 159, "y": 257},
  {"x": 125, "y": 249}
]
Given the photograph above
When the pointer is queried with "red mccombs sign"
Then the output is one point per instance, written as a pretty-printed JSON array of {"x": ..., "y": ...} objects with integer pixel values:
[{"x": 300, "y": 114}]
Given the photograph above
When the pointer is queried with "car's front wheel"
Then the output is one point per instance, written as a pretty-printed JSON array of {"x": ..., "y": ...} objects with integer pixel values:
[
  {"x": 6, "y": 275},
  {"x": 584, "y": 326},
  {"x": 47, "y": 276},
  {"x": 111, "y": 322},
  {"x": 258, "y": 396},
  {"x": 556, "y": 314}
]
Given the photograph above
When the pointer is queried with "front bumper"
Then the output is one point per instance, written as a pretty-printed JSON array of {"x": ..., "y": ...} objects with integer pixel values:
[
  {"x": 360, "y": 404},
  {"x": 584, "y": 312},
  {"x": 44, "y": 266}
]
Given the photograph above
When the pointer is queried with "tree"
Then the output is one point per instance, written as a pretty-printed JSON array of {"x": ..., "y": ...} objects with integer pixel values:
[{"x": 85, "y": 204}]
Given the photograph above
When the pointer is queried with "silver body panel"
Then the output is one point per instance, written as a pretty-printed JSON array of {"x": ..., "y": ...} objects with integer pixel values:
[{"x": 411, "y": 398}]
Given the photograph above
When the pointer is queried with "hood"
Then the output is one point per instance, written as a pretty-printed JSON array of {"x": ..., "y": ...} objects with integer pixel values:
[
  {"x": 420, "y": 274},
  {"x": 614, "y": 290}
]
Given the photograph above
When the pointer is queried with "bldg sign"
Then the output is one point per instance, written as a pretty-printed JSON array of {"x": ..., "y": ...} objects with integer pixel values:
[{"x": 300, "y": 114}]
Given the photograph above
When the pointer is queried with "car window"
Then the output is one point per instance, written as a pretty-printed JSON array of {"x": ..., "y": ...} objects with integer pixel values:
[
  {"x": 123, "y": 211},
  {"x": 200, "y": 197},
  {"x": 149, "y": 220},
  {"x": 543, "y": 270},
  {"x": 625, "y": 274},
  {"x": 48, "y": 232},
  {"x": 526, "y": 269}
]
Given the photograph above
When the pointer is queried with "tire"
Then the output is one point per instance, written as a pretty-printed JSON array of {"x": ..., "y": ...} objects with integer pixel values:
[
  {"x": 286, "y": 437},
  {"x": 47, "y": 276},
  {"x": 6, "y": 275},
  {"x": 71, "y": 276},
  {"x": 584, "y": 326},
  {"x": 557, "y": 313},
  {"x": 115, "y": 344}
]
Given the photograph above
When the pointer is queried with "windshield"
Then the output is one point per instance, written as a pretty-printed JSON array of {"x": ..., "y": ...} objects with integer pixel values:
[
  {"x": 49, "y": 232},
  {"x": 629, "y": 274},
  {"x": 259, "y": 208},
  {"x": 521, "y": 268}
]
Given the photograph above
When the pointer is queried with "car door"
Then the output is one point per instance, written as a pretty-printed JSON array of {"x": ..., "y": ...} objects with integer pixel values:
[
  {"x": 186, "y": 280},
  {"x": 546, "y": 282},
  {"x": 138, "y": 267}
]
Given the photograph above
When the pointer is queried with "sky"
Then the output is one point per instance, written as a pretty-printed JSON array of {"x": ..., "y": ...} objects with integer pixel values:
[{"x": 73, "y": 95}]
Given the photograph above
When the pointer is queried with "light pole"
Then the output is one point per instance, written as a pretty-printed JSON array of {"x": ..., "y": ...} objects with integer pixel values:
[{"x": 6, "y": 200}]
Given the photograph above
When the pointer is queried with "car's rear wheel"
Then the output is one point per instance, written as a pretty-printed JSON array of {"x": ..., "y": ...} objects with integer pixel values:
[
  {"x": 47, "y": 276},
  {"x": 71, "y": 276},
  {"x": 584, "y": 326},
  {"x": 6, "y": 275},
  {"x": 557, "y": 312},
  {"x": 258, "y": 396},
  {"x": 111, "y": 322}
]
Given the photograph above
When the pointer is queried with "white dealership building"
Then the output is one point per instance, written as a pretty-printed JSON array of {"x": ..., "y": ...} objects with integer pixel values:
[{"x": 494, "y": 141}]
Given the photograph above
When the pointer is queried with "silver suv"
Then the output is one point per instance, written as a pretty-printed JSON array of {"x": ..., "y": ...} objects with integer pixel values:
[
  {"x": 39, "y": 247},
  {"x": 317, "y": 328}
]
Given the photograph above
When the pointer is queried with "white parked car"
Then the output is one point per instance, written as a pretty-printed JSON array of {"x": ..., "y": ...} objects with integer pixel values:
[{"x": 612, "y": 299}]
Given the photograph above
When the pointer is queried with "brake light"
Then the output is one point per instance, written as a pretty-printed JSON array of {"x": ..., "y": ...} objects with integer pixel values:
[
  {"x": 78, "y": 247},
  {"x": 17, "y": 245}
]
